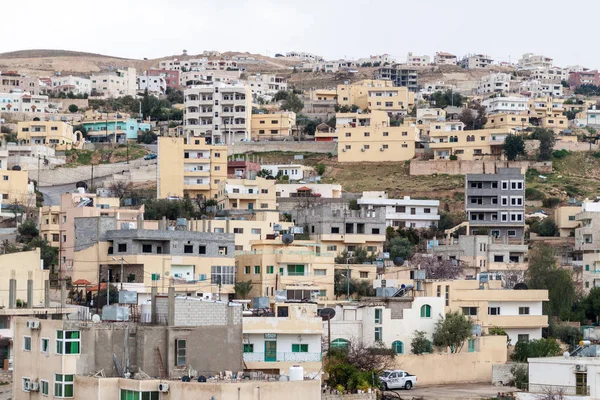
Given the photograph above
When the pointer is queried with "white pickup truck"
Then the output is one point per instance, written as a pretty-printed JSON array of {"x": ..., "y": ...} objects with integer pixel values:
[{"x": 397, "y": 379}]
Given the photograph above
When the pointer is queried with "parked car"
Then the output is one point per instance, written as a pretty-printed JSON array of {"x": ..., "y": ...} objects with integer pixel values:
[
  {"x": 151, "y": 156},
  {"x": 173, "y": 198},
  {"x": 397, "y": 379}
]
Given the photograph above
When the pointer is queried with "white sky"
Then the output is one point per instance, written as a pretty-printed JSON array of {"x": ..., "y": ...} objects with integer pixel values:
[{"x": 565, "y": 31}]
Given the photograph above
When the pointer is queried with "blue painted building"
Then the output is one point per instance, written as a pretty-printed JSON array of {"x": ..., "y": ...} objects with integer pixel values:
[{"x": 114, "y": 130}]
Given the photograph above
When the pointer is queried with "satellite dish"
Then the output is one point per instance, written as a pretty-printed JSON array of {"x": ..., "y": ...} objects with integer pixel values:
[
  {"x": 166, "y": 273},
  {"x": 287, "y": 238},
  {"x": 95, "y": 318},
  {"x": 327, "y": 313},
  {"x": 521, "y": 286},
  {"x": 185, "y": 378},
  {"x": 201, "y": 378},
  {"x": 398, "y": 261}
]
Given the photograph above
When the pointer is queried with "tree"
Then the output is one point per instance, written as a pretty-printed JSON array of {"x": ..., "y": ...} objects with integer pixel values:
[
  {"x": 147, "y": 137},
  {"x": 447, "y": 98},
  {"x": 567, "y": 334},
  {"x": 546, "y": 227},
  {"x": 520, "y": 375},
  {"x": 293, "y": 103},
  {"x": 120, "y": 188},
  {"x": 436, "y": 267},
  {"x": 399, "y": 247},
  {"x": 174, "y": 96},
  {"x": 546, "y": 138},
  {"x": 263, "y": 173},
  {"x": 359, "y": 255},
  {"x": 514, "y": 146},
  {"x": 543, "y": 273},
  {"x": 114, "y": 295},
  {"x": 242, "y": 289},
  {"x": 320, "y": 169},
  {"x": 525, "y": 349},
  {"x": 27, "y": 232},
  {"x": 281, "y": 95},
  {"x": 353, "y": 205},
  {"x": 591, "y": 304},
  {"x": 73, "y": 108},
  {"x": 452, "y": 331},
  {"x": 420, "y": 344},
  {"x": 474, "y": 117}
]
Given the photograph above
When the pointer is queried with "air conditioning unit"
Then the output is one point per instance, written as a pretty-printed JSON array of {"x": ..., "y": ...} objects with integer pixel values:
[
  {"x": 33, "y": 324},
  {"x": 581, "y": 368},
  {"x": 27, "y": 385},
  {"x": 163, "y": 387},
  {"x": 34, "y": 387}
]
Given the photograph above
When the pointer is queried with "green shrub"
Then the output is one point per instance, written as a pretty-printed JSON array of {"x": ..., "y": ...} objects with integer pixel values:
[
  {"x": 320, "y": 168},
  {"x": 535, "y": 348},
  {"x": 520, "y": 375},
  {"x": 551, "y": 202},
  {"x": 453, "y": 157},
  {"x": 534, "y": 194},
  {"x": 559, "y": 154},
  {"x": 567, "y": 334}
]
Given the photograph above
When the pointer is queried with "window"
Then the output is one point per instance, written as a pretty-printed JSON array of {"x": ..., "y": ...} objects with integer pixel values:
[
  {"x": 447, "y": 295},
  {"x": 63, "y": 386},
  {"x": 348, "y": 134},
  {"x": 180, "y": 352},
  {"x": 523, "y": 337},
  {"x": 378, "y": 313},
  {"x": 133, "y": 395},
  {"x": 493, "y": 310},
  {"x": 364, "y": 274},
  {"x": 257, "y": 269},
  {"x": 248, "y": 348},
  {"x": 335, "y": 229},
  {"x": 340, "y": 343},
  {"x": 511, "y": 233},
  {"x": 44, "y": 388},
  {"x": 44, "y": 344},
  {"x": 122, "y": 247},
  {"x": 270, "y": 269},
  {"x": 386, "y": 134},
  {"x": 571, "y": 218},
  {"x": 516, "y": 185},
  {"x": 146, "y": 248},
  {"x": 201, "y": 249},
  {"x": 247, "y": 269},
  {"x": 523, "y": 310},
  {"x": 26, "y": 382},
  {"x": 504, "y": 185},
  {"x": 255, "y": 231},
  {"x": 375, "y": 231},
  {"x": 5, "y": 177},
  {"x": 299, "y": 348},
  {"x": 471, "y": 345},
  {"x": 27, "y": 343},
  {"x": 68, "y": 342},
  {"x": 498, "y": 258},
  {"x": 332, "y": 248},
  {"x": 188, "y": 249},
  {"x": 238, "y": 230},
  {"x": 224, "y": 275},
  {"x": 378, "y": 334},
  {"x": 367, "y": 134},
  {"x": 426, "y": 311},
  {"x": 472, "y": 311},
  {"x": 504, "y": 200},
  {"x": 398, "y": 347},
  {"x": 320, "y": 272},
  {"x": 295, "y": 270},
  {"x": 223, "y": 250}
]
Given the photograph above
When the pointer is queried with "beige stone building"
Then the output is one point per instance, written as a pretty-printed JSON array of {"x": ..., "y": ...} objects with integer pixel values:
[
  {"x": 56, "y": 134},
  {"x": 190, "y": 165},
  {"x": 566, "y": 220},
  {"x": 378, "y": 95},
  {"x": 468, "y": 145},
  {"x": 276, "y": 126},
  {"x": 117, "y": 83},
  {"x": 247, "y": 194},
  {"x": 16, "y": 189},
  {"x": 12, "y": 81}
]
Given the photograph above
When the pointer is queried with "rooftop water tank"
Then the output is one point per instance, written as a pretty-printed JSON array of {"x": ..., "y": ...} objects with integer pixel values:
[{"x": 296, "y": 373}]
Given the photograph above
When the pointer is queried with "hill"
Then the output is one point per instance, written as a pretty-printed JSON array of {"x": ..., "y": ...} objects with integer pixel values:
[{"x": 42, "y": 53}]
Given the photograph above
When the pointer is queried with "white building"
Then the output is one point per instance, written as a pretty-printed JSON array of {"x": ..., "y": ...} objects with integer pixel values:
[
  {"x": 498, "y": 105},
  {"x": 23, "y": 102},
  {"x": 403, "y": 213},
  {"x": 327, "y": 191},
  {"x": 475, "y": 61},
  {"x": 442, "y": 58},
  {"x": 119, "y": 83},
  {"x": 590, "y": 116},
  {"x": 417, "y": 61},
  {"x": 537, "y": 88},
  {"x": 266, "y": 85},
  {"x": 382, "y": 59},
  {"x": 494, "y": 83},
  {"x": 156, "y": 85},
  {"x": 296, "y": 172},
  {"x": 183, "y": 65},
  {"x": 530, "y": 60},
  {"x": 71, "y": 84},
  {"x": 206, "y": 77},
  {"x": 554, "y": 74},
  {"x": 303, "y": 56},
  {"x": 439, "y": 86}
]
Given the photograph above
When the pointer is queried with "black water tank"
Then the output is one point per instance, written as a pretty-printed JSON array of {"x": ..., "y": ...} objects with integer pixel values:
[
  {"x": 16, "y": 168},
  {"x": 201, "y": 378},
  {"x": 185, "y": 378}
]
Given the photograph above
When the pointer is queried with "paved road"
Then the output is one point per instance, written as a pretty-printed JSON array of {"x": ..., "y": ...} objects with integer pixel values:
[
  {"x": 52, "y": 193},
  {"x": 453, "y": 392}
]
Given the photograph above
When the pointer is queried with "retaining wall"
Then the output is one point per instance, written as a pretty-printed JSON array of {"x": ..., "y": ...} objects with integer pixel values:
[
  {"x": 458, "y": 167},
  {"x": 297, "y": 147},
  {"x": 501, "y": 374}
]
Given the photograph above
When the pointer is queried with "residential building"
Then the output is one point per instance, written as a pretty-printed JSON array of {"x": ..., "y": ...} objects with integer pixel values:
[
  {"x": 13, "y": 82},
  {"x": 192, "y": 262},
  {"x": 467, "y": 145},
  {"x": 587, "y": 241},
  {"x": 324, "y": 95},
  {"x": 325, "y": 133},
  {"x": 155, "y": 85},
  {"x": 262, "y": 85},
  {"x": 494, "y": 83},
  {"x": 417, "y": 61},
  {"x": 510, "y": 105},
  {"x": 518, "y": 312},
  {"x": 442, "y": 58},
  {"x": 190, "y": 165},
  {"x": 577, "y": 79},
  {"x": 247, "y": 194},
  {"x": 171, "y": 77},
  {"x": 183, "y": 65},
  {"x": 55, "y": 134},
  {"x": 295, "y": 172},
  {"x": 484, "y": 253},
  {"x": 49, "y": 224},
  {"x": 565, "y": 218},
  {"x": 428, "y": 115},
  {"x": 588, "y": 117},
  {"x": 537, "y": 88},
  {"x": 241, "y": 166},
  {"x": 23, "y": 102},
  {"x": 439, "y": 86},
  {"x": 339, "y": 228},
  {"x": 404, "y": 212},
  {"x": 302, "y": 270},
  {"x": 400, "y": 75},
  {"x": 553, "y": 74},
  {"x": 475, "y": 61},
  {"x": 114, "y": 83},
  {"x": 321, "y": 190},
  {"x": 547, "y": 112},
  {"x": 220, "y": 112},
  {"x": 331, "y": 67},
  {"x": 495, "y": 203},
  {"x": 206, "y": 77},
  {"x": 113, "y": 128},
  {"x": 530, "y": 61},
  {"x": 71, "y": 84},
  {"x": 513, "y": 121},
  {"x": 303, "y": 56},
  {"x": 371, "y": 138},
  {"x": 15, "y": 187},
  {"x": 290, "y": 336},
  {"x": 382, "y": 59},
  {"x": 276, "y": 126}
]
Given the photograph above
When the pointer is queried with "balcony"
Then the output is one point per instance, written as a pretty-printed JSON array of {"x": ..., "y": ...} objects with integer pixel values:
[
  {"x": 503, "y": 295},
  {"x": 518, "y": 321},
  {"x": 241, "y": 196},
  {"x": 284, "y": 357}
]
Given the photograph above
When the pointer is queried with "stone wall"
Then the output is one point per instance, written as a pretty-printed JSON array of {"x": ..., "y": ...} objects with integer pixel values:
[
  {"x": 356, "y": 396},
  {"x": 457, "y": 167},
  {"x": 296, "y": 147},
  {"x": 501, "y": 374},
  {"x": 26, "y": 116}
]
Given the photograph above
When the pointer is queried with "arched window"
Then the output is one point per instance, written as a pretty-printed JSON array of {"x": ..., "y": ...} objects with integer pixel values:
[
  {"x": 455, "y": 139},
  {"x": 398, "y": 347},
  {"x": 426, "y": 311},
  {"x": 472, "y": 138},
  {"x": 451, "y": 139},
  {"x": 340, "y": 343}
]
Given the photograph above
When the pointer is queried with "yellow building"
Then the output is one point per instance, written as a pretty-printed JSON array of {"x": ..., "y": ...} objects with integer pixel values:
[
  {"x": 566, "y": 222},
  {"x": 324, "y": 95},
  {"x": 549, "y": 113},
  {"x": 56, "y": 134},
  {"x": 247, "y": 194},
  {"x": 49, "y": 221},
  {"x": 370, "y": 138},
  {"x": 517, "y": 122},
  {"x": 273, "y": 126},
  {"x": 376, "y": 95},
  {"x": 16, "y": 189},
  {"x": 468, "y": 145},
  {"x": 190, "y": 166},
  {"x": 303, "y": 269}
]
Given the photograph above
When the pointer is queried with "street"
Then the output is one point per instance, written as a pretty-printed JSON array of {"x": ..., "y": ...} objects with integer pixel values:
[{"x": 465, "y": 391}]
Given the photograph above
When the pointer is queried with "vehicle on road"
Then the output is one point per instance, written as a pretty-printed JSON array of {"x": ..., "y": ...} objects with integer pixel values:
[
  {"x": 173, "y": 198},
  {"x": 151, "y": 156},
  {"x": 397, "y": 379}
]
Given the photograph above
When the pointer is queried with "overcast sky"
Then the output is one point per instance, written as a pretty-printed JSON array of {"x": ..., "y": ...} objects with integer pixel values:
[{"x": 334, "y": 29}]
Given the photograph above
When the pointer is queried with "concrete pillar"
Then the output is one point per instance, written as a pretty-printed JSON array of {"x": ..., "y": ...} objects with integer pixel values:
[
  {"x": 153, "y": 293},
  {"x": 63, "y": 293},
  {"x": 29, "y": 293},
  {"x": 140, "y": 222},
  {"x": 164, "y": 221},
  {"x": 12, "y": 293},
  {"x": 171, "y": 312},
  {"x": 47, "y": 293}
]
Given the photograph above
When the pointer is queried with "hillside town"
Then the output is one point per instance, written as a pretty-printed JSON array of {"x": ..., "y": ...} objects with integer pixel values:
[{"x": 229, "y": 225}]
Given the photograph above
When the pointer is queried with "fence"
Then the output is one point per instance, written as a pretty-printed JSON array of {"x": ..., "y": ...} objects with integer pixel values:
[{"x": 559, "y": 389}]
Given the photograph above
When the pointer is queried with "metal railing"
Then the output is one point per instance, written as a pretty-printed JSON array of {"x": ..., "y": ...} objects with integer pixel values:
[
  {"x": 559, "y": 389},
  {"x": 283, "y": 357}
]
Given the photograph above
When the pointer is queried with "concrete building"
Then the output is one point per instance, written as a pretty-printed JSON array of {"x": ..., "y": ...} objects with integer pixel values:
[
  {"x": 538, "y": 88},
  {"x": 155, "y": 85},
  {"x": 495, "y": 203},
  {"x": 475, "y": 61},
  {"x": 339, "y": 228},
  {"x": 530, "y": 61},
  {"x": 372, "y": 138},
  {"x": 171, "y": 77},
  {"x": 115, "y": 83},
  {"x": 494, "y": 83},
  {"x": 290, "y": 336},
  {"x": 183, "y": 65},
  {"x": 15, "y": 187},
  {"x": 417, "y": 61},
  {"x": 220, "y": 112},
  {"x": 276, "y": 126},
  {"x": 577, "y": 79},
  {"x": 400, "y": 75},
  {"x": 13, "y": 82},
  {"x": 190, "y": 165},
  {"x": 194, "y": 263},
  {"x": 302, "y": 270},
  {"x": 587, "y": 241},
  {"x": 266, "y": 85},
  {"x": 303, "y": 56},
  {"x": 467, "y": 145},
  {"x": 510, "y": 121},
  {"x": 565, "y": 218},
  {"x": 442, "y": 58},
  {"x": 321, "y": 190},
  {"x": 375, "y": 95},
  {"x": 113, "y": 128},
  {"x": 402, "y": 213},
  {"x": 206, "y": 77},
  {"x": 71, "y": 84},
  {"x": 551, "y": 74},
  {"x": 246, "y": 194},
  {"x": 58, "y": 135},
  {"x": 509, "y": 105},
  {"x": 23, "y": 102},
  {"x": 295, "y": 172}
]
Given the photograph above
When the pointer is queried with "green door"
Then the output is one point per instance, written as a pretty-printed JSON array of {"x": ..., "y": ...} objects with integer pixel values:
[
  {"x": 250, "y": 206},
  {"x": 270, "y": 350}
]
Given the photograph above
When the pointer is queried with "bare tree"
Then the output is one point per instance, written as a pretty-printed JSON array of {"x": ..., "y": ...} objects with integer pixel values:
[
  {"x": 436, "y": 267},
  {"x": 120, "y": 188}
]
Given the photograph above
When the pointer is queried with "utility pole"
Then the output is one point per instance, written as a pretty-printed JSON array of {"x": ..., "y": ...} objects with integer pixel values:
[
  {"x": 92, "y": 182},
  {"x": 107, "y": 288},
  {"x": 38, "y": 178},
  {"x": 347, "y": 280},
  {"x": 122, "y": 259}
]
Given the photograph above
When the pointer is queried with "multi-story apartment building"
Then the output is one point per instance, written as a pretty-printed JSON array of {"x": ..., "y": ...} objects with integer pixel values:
[
  {"x": 577, "y": 79},
  {"x": 23, "y": 102},
  {"x": 117, "y": 83},
  {"x": 566, "y": 220},
  {"x": 494, "y": 83},
  {"x": 530, "y": 61},
  {"x": 262, "y": 85},
  {"x": 276, "y": 126},
  {"x": 71, "y": 84},
  {"x": 516, "y": 122},
  {"x": 183, "y": 65},
  {"x": 340, "y": 228},
  {"x": 538, "y": 88},
  {"x": 495, "y": 203},
  {"x": 295, "y": 172},
  {"x": 428, "y": 115},
  {"x": 15, "y": 187},
  {"x": 303, "y": 56},
  {"x": 371, "y": 138},
  {"x": 113, "y": 128},
  {"x": 381, "y": 58},
  {"x": 302, "y": 270},
  {"x": 518, "y": 312},
  {"x": 291, "y": 336},
  {"x": 442, "y": 58},
  {"x": 400, "y": 75},
  {"x": 553, "y": 74},
  {"x": 375, "y": 95},
  {"x": 417, "y": 61},
  {"x": 171, "y": 77},
  {"x": 220, "y": 112},
  {"x": 510, "y": 105},
  {"x": 475, "y": 61},
  {"x": 587, "y": 241},
  {"x": 402, "y": 213},
  {"x": 467, "y": 145},
  {"x": 247, "y": 194},
  {"x": 56, "y": 134},
  {"x": 11, "y": 81},
  {"x": 588, "y": 116},
  {"x": 206, "y": 77},
  {"x": 155, "y": 85},
  {"x": 190, "y": 165}
]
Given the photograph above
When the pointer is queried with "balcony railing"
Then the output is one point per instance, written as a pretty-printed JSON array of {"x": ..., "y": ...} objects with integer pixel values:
[
  {"x": 283, "y": 357},
  {"x": 559, "y": 389}
]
